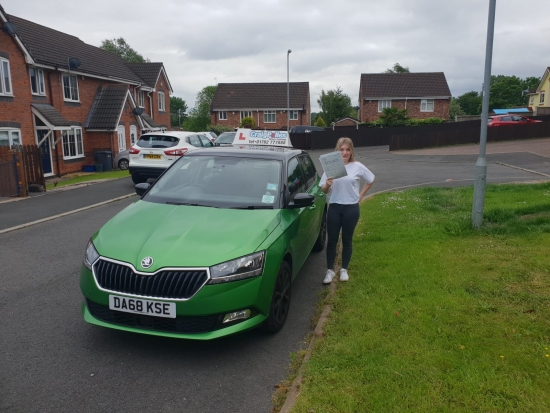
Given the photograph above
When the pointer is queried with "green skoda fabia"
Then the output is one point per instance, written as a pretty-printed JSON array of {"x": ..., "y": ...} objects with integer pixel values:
[{"x": 211, "y": 247}]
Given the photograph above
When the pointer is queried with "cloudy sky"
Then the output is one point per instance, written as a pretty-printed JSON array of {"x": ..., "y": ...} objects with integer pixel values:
[{"x": 333, "y": 41}]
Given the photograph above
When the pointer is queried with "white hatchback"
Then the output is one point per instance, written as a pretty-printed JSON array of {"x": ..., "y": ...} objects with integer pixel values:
[{"x": 154, "y": 152}]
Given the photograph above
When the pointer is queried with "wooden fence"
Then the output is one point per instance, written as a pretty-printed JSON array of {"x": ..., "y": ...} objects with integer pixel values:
[
  {"x": 9, "y": 176},
  {"x": 21, "y": 170},
  {"x": 32, "y": 160}
]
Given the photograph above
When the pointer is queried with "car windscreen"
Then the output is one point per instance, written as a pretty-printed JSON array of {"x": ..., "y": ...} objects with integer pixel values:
[
  {"x": 157, "y": 141},
  {"x": 220, "y": 182}
]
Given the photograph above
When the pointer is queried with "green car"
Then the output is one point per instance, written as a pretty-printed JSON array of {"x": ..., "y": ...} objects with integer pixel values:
[{"x": 211, "y": 248}]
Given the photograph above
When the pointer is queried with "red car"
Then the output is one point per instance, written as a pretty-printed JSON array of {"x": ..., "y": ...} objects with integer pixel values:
[{"x": 505, "y": 120}]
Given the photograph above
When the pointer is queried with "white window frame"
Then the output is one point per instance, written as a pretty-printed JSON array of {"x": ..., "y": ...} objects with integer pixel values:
[
  {"x": 383, "y": 104},
  {"x": 11, "y": 137},
  {"x": 37, "y": 87},
  {"x": 6, "y": 88},
  {"x": 73, "y": 144},
  {"x": 162, "y": 102},
  {"x": 541, "y": 98},
  {"x": 246, "y": 114},
  {"x": 73, "y": 89},
  {"x": 425, "y": 105},
  {"x": 222, "y": 115},
  {"x": 141, "y": 99},
  {"x": 270, "y": 116},
  {"x": 532, "y": 99},
  {"x": 293, "y": 115}
]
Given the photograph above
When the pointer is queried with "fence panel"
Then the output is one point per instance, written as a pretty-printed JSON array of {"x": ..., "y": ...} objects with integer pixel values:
[
  {"x": 32, "y": 159},
  {"x": 9, "y": 179}
]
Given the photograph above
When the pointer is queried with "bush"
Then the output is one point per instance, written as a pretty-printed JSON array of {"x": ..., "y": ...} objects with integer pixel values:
[
  {"x": 217, "y": 129},
  {"x": 320, "y": 122},
  {"x": 248, "y": 122}
]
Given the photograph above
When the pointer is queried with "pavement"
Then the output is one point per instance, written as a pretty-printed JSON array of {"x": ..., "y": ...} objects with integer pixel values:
[{"x": 513, "y": 161}]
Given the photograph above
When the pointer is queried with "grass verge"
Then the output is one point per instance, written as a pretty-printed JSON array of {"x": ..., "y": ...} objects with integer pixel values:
[
  {"x": 438, "y": 317},
  {"x": 81, "y": 177}
]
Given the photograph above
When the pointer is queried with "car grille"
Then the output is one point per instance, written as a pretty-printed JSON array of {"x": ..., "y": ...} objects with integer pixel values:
[
  {"x": 169, "y": 284},
  {"x": 180, "y": 324}
]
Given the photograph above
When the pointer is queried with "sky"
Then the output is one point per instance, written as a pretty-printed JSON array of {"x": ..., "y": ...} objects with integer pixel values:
[{"x": 206, "y": 42}]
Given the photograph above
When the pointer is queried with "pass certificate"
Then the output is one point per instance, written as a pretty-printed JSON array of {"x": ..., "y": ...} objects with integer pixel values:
[{"x": 333, "y": 165}]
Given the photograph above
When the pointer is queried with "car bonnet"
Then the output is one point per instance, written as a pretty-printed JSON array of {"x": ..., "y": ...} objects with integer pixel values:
[{"x": 183, "y": 236}]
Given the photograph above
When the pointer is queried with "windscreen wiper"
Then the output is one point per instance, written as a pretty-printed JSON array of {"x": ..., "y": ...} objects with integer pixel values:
[
  {"x": 253, "y": 207},
  {"x": 188, "y": 204}
]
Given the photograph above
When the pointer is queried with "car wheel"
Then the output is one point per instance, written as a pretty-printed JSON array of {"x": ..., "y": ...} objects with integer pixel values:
[
  {"x": 123, "y": 164},
  {"x": 280, "y": 300},
  {"x": 322, "y": 237},
  {"x": 138, "y": 179}
]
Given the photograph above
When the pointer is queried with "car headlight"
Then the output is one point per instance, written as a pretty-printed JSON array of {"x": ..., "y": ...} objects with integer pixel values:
[
  {"x": 91, "y": 255},
  {"x": 245, "y": 267}
]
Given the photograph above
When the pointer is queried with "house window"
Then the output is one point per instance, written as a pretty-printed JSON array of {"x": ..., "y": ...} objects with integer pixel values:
[
  {"x": 427, "y": 105},
  {"x": 541, "y": 100},
  {"x": 532, "y": 99},
  {"x": 162, "y": 107},
  {"x": 269, "y": 116},
  {"x": 70, "y": 88},
  {"x": 293, "y": 115},
  {"x": 72, "y": 144},
  {"x": 37, "y": 81},
  {"x": 246, "y": 114},
  {"x": 9, "y": 137},
  {"x": 382, "y": 104},
  {"x": 141, "y": 99},
  {"x": 5, "y": 78},
  {"x": 223, "y": 115}
]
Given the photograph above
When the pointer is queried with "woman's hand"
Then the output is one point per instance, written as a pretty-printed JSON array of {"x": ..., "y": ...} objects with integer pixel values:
[{"x": 326, "y": 187}]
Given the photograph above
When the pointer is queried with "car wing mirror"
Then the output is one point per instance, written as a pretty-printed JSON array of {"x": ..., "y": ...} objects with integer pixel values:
[
  {"x": 302, "y": 200},
  {"x": 142, "y": 188}
]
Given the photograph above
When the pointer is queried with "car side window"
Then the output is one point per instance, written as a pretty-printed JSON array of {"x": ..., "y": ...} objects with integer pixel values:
[
  {"x": 309, "y": 170},
  {"x": 205, "y": 141},
  {"x": 195, "y": 141},
  {"x": 296, "y": 179},
  {"x": 506, "y": 119}
]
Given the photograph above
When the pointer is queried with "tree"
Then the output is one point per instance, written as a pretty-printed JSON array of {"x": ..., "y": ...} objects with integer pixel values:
[
  {"x": 335, "y": 104},
  {"x": 199, "y": 117},
  {"x": 397, "y": 68},
  {"x": 470, "y": 102},
  {"x": 455, "y": 109},
  {"x": 506, "y": 92},
  {"x": 123, "y": 49},
  {"x": 320, "y": 122},
  {"x": 177, "y": 111}
]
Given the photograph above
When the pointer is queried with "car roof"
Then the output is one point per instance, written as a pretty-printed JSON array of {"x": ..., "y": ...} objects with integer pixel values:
[
  {"x": 251, "y": 151},
  {"x": 176, "y": 134}
]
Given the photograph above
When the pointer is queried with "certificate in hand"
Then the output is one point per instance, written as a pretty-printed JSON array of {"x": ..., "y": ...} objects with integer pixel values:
[{"x": 333, "y": 165}]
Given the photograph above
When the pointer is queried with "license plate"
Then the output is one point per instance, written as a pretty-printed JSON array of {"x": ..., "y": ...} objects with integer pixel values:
[
  {"x": 152, "y": 156},
  {"x": 145, "y": 307}
]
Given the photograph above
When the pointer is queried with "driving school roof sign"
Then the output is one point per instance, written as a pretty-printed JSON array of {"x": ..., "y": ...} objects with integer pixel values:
[{"x": 262, "y": 137}]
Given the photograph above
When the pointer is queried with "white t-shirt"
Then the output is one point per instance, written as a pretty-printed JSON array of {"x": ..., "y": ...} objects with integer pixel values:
[{"x": 346, "y": 190}]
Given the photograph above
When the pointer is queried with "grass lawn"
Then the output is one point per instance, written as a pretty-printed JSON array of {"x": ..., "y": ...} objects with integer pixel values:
[
  {"x": 80, "y": 177},
  {"x": 438, "y": 317}
]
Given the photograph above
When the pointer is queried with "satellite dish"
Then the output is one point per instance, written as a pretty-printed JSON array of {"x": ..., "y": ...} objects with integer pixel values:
[
  {"x": 74, "y": 63},
  {"x": 137, "y": 111},
  {"x": 9, "y": 28}
]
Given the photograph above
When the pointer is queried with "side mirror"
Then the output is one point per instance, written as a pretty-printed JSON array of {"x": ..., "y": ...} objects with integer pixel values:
[
  {"x": 302, "y": 200},
  {"x": 142, "y": 188}
]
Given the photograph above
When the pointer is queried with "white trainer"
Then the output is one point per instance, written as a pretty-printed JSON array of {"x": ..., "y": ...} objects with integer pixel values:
[
  {"x": 328, "y": 277},
  {"x": 344, "y": 275}
]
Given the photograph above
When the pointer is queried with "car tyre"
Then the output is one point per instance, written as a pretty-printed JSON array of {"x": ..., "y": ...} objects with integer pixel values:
[
  {"x": 322, "y": 237},
  {"x": 123, "y": 164},
  {"x": 138, "y": 179},
  {"x": 280, "y": 300}
]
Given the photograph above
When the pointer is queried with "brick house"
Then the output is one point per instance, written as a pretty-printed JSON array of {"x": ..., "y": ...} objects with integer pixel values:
[
  {"x": 265, "y": 102},
  {"x": 73, "y": 99},
  {"x": 424, "y": 95}
]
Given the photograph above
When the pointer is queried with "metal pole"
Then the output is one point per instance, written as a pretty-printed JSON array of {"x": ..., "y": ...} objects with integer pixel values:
[
  {"x": 288, "y": 90},
  {"x": 481, "y": 164}
]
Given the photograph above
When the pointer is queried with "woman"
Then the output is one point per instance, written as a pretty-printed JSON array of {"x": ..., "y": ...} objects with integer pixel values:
[{"x": 343, "y": 211}]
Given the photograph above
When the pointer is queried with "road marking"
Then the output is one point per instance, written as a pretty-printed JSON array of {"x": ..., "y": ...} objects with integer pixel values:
[
  {"x": 523, "y": 169},
  {"x": 64, "y": 214}
]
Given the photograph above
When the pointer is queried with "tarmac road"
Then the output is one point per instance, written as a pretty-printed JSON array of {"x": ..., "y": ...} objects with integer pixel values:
[{"x": 52, "y": 361}]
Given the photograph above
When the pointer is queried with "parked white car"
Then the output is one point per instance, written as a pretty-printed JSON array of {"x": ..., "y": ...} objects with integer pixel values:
[{"x": 154, "y": 152}]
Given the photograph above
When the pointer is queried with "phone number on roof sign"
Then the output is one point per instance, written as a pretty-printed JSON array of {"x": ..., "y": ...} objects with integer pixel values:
[
  {"x": 268, "y": 135},
  {"x": 269, "y": 142}
]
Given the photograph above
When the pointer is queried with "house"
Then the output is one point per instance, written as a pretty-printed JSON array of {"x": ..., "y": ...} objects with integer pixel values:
[
  {"x": 537, "y": 97},
  {"x": 73, "y": 99},
  {"x": 424, "y": 95},
  {"x": 266, "y": 103}
]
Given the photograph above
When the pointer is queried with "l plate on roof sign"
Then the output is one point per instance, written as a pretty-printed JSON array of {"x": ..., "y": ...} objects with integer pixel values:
[{"x": 262, "y": 137}]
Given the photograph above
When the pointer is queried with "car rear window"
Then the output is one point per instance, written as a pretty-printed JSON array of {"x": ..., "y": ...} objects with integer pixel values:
[{"x": 157, "y": 141}]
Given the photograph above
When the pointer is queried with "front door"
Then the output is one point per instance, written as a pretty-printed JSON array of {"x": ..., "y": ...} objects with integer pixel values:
[
  {"x": 121, "y": 138},
  {"x": 45, "y": 151}
]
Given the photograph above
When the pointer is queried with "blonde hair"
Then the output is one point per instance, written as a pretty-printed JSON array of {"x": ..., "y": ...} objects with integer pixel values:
[{"x": 346, "y": 141}]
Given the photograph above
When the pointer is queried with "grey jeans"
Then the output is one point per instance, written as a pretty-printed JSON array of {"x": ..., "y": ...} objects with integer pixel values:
[{"x": 345, "y": 218}]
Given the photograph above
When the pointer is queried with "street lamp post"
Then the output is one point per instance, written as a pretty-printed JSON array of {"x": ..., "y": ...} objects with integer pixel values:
[{"x": 288, "y": 91}]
